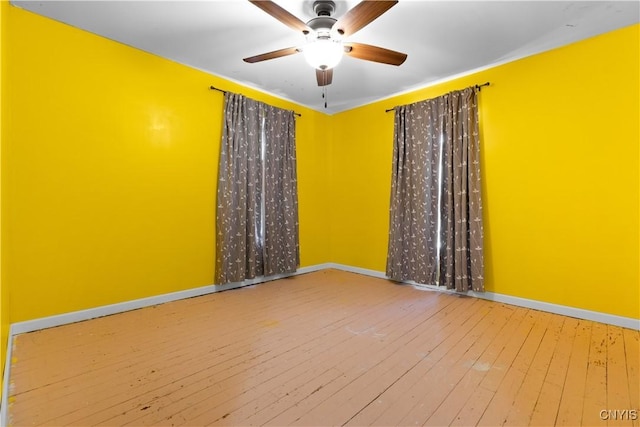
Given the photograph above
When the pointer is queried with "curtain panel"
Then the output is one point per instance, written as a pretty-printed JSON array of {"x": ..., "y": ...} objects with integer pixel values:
[
  {"x": 257, "y": 198},
  {"x": 435, "y": 221}
]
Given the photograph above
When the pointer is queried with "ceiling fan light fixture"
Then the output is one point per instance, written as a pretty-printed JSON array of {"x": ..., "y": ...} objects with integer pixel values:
[{"x": 323, "y": 54}]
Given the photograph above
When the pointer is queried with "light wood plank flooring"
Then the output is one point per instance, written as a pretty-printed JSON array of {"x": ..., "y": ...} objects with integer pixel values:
[{"x": 326, "y": 348}]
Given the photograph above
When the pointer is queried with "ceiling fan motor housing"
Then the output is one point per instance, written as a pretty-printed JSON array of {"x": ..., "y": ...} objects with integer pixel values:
[
  {"x": 323, "y": 23},
  {"x": 324, "y": 7}
]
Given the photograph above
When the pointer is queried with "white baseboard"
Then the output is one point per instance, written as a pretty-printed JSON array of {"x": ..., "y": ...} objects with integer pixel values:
[
  {"x": 106, "y": 310},
  {"x": 579, "y": 313},
  {"x": 77, "y": 316},
  {"x": 4, "y": 410}
]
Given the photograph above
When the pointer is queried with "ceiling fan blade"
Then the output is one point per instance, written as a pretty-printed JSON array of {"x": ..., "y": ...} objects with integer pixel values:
[
  {"x": 361, "y": 15},
  {"x": 324, "y": 76},
  {"x": 272, "y": 55},
  {"x": 281, "y": 15},
  {"x": 374, "y": 53}
]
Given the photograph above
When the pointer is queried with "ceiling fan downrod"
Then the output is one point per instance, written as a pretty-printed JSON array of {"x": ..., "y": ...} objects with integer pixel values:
[
  {"x": 323, "y": 22},
  {"x": 324, "y": 7}
]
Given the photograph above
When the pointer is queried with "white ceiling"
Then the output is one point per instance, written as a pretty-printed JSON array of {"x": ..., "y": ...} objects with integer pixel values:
[{"x": 442, "y": 39}]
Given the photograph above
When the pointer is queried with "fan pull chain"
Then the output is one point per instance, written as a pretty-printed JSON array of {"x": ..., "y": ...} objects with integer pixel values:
[
  {"x": 322, "y": 81},
  {"x": 324, "y": 95}
]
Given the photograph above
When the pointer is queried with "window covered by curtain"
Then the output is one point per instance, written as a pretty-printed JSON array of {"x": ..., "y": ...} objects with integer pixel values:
[
  {"x": 435, "y": 229},
  {"x": 257, "y": 200}
]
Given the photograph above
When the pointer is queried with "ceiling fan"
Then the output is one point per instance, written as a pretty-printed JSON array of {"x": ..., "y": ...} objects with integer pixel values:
[{"x": 325, "y": 35}]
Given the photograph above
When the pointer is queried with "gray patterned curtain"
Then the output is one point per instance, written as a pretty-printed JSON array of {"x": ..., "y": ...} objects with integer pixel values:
[
  {"x": 435, "y": 224},
  {"x": 257, "y": 200}
]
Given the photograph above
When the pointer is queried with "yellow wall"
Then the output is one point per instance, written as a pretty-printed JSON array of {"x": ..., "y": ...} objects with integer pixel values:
[
  {"x": 4, "y": 296},
  {"x": 560, "y": 167},
  {"x": 109, "y": 167}
]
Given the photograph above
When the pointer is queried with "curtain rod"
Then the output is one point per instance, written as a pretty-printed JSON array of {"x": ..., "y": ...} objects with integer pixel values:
[
  {"x": 224, "y": 91},
  {"x": 477, "y": 87}
]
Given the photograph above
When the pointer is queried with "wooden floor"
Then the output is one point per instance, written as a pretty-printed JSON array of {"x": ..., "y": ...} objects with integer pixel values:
[{"x": 327, "y": 348}]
